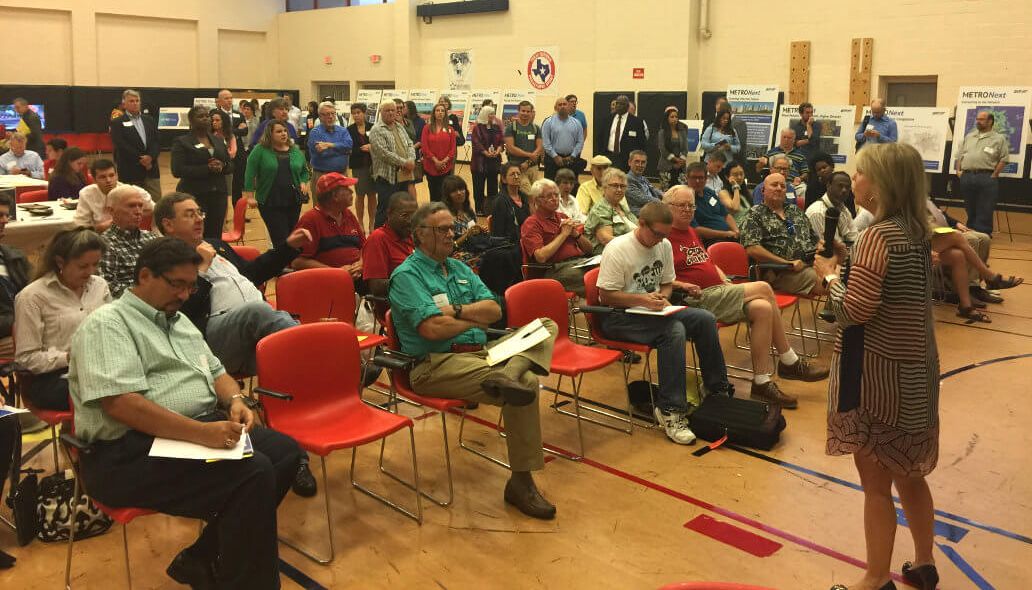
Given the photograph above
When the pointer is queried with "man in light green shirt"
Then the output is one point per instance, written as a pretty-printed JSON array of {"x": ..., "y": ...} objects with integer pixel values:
[
  {"x": 980, "y": 160},
  {"x": 140, "y": 370}
]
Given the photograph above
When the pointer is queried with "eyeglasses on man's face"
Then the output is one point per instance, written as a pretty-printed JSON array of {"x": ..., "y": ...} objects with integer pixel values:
[
  {"x": 617, "y": 186},
  {"x": 683, "y": 206},
  {"x": 193, "y": 214},
  {"x": 441, "y": 230},
  {"x": 180, "y": 285},
  {"x": 659, "y": 235}
]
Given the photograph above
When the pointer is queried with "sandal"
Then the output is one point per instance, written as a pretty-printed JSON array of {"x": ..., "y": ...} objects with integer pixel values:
[
  {"x": 925, "y": 577},
  {"x": 998, "y": 282},
  {"x": 972, "y": 315}
]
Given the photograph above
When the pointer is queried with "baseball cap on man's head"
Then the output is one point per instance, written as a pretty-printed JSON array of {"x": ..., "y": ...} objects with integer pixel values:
[{"x": 332, "y": 180}]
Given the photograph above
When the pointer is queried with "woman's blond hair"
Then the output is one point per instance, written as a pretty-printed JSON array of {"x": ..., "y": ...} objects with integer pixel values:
[{"x": 896, "y": 172}]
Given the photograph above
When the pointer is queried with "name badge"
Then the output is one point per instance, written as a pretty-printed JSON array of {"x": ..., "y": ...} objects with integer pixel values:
[
  {"x": 989, "y": 150},
  {"x": 712, "y": 202},
  {"x": 632, "y": 134},
  {"x": 199, "y": 146},
  {"x": 531, "y": 136},
  {"x": 441, "y": 300},
  {"x": 127, "y": 123},
  {"x": 462, "y": 281}
]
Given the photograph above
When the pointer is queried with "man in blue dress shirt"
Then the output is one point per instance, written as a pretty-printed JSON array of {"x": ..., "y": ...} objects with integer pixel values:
[
  {"x": 878, "y": 127},
  {"x": 563, "y": 139}
]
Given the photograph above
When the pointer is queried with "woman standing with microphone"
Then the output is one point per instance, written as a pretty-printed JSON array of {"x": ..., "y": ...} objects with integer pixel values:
[{"x": 883, "y": 396}]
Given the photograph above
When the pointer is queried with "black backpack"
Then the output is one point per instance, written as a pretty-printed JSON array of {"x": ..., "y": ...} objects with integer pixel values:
[{"x": 745, "y": 422}]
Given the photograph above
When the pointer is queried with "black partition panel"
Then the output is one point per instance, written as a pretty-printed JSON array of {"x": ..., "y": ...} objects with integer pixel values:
[
  {"x": 56, "y": 101},
  {"x": 651, "y": 107},
  {"x": 600, "y": 116}
]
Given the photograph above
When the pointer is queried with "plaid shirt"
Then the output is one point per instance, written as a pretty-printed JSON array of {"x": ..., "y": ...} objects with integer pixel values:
[
  {"x": 386, "y": 158},
  {"x": 795, "y": 157},
  {"x": 118, "y": 267},
  {"x": 788, "y": 238}
]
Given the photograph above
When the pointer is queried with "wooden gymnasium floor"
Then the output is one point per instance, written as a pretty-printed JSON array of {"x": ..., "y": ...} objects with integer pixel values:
[{"x": 790, "y": 518}]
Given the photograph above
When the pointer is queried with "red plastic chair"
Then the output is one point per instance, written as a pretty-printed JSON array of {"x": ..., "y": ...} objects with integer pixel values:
[
  {"x": 314, "y": 294},
  {"x": 53, "y": 418},
  {"x": 103, "y": 143},
  {"x": 535, "y": 298},
  {"x": 32, "y": 197},
  {"x": 319, "y": 405},
  {"x": 239, "y": 223}
]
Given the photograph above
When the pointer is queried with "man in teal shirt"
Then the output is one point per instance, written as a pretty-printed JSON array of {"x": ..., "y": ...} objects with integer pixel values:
[
  {"x": 140, "y": 370},
  {"x": 440, "y": 310}
]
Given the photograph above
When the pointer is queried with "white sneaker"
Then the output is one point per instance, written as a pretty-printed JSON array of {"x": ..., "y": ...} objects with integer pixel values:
[{"x": 676, "y": 426}]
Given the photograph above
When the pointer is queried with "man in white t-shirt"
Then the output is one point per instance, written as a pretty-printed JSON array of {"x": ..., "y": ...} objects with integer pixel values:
[
  {"x": 637, "y": 270},
  {"x": 90, "y": 212}
]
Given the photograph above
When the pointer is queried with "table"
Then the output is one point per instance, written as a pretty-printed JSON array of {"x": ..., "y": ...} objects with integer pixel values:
[
  {"x": 9, "y": 181},
  {"x": 31, "y": 234}
]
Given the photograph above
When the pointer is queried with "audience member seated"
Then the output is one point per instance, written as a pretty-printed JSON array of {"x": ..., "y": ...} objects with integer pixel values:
[
  {"x": 18, "y": 160},
  {"x": 839, "y": 186},
  {"x": 124, "y": 238},
  {"x": 68, "y": 177},
  {"x": 978, "y": 241},
  {"x": 777, "y": 231},
  {"x": 51, "y": 308},
  {"x": 639, "y": 189},
  {"x": 337, "y": 236},
  {"x": 700, "y": 283},
  {"x": 609, "y": 216},
  {"x": 715, "y": 171},
  {"x": 471, "y": 238},
  {"x": 590, "y": 192},
  {"x": 565, "y": 179},
  {"x": 780, "y": 164},
  {"x": 495, "y": 256},
  {"x": 441, "y": 308},
  {"x": 14, "y": 276},
  {"x": 673, "y": 147},
  {"x": 390, "y": 244},
  {"x": 712, "y": 220},
  {"x": 55, "y": 147},
  {"x": 799, "y": 172},
  {"x": 735, "y": 194},
  {"x": 140, "y": 371},
  {"x": 823, "y": 166},
  {"x": 637, "y": 270},
  {"x": 550, "y": 237},
  {"x": 92, "y": 209}
]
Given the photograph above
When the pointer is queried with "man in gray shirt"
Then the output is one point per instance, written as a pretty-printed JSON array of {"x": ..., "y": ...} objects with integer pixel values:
[
  {"x": 524, "y": 146},
  {"x": 980, "y": 159}
]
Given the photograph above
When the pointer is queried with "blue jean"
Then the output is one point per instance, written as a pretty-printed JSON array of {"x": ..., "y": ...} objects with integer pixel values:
[
  {"x": 234, "y": 335},
  {"x": 384, "y": 190},
  {"x": 980, "y": 192},
  {"x": 668, "y": 335}
]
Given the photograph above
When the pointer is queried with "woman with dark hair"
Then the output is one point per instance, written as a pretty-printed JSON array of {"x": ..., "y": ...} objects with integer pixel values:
[
  {"x": 497, "y": 260},
  {"x": 68, "y": 177},
  {"x": 276, "y": 181},
  {"x": 673, "y": 146},
  {"x": 48, "y": 311},
  {"x": 453, "y": 120},
  {"x": 438, "y": 141},
  {"x": 488, "y": 145},
  {"x": 511, "y": 207},
  {"x": 312, "y": 119},
  {"x": 456, "y": 196},
  {"x": 222, "y": 127},
  {"x": 734, "y": 188},
  {"x": 201, "y": 162},
  {"x": 721, "y": 136},
  {"x": 361, "y": 164}
]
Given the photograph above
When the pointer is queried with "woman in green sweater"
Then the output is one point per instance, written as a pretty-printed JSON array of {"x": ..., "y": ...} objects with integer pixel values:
[{"x": 276, "y": 181}]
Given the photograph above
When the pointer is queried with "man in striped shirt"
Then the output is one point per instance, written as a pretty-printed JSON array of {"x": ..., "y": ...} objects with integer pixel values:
[{"x": 799, "y": 172}]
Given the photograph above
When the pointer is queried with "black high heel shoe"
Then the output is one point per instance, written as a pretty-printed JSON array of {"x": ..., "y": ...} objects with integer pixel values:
[
  {"x": 888, "y": 586},
  {"x": 925, "y": 577}
]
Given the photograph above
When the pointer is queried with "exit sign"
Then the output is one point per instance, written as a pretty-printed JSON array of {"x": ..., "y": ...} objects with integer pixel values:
[{"x": 638, "y": 73}]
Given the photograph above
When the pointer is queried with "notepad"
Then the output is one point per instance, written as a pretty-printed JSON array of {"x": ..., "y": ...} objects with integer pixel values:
[
  {"x": 181, "y": 449},
  {"x": 10, "y": 411},
  {"x": 525, "y": 338},
  {"x": 593, "y": 261},
  {"x": 943, "y": 230},
  {"x": 640, "y": 310}
]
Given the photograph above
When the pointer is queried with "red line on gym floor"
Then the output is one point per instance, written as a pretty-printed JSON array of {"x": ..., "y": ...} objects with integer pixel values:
[{"x": 732, "y": 535}]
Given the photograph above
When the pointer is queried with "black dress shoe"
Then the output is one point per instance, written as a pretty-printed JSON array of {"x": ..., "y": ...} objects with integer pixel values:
[
  {"x": 194, "y": 572},
  {"x": 529, "y": 500},
  {"x": 925, "y": 577},
  {"x": 304, "y": 482}
]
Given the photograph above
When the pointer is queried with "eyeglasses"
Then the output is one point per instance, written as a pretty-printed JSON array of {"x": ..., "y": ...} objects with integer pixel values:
[
  {"x": 549, "y": 197},
  {"x": 659, "y": 235},
  {"x": 441, "y": 230},
  {"x": 683, "y": 206},
  {"x": 179, "y": 285},
  {"x": 193, "y": 214},
  {"x": 697, "y": 177},
  {"x": 617, "y": 186},
  {"x": 781, "y": 169}
]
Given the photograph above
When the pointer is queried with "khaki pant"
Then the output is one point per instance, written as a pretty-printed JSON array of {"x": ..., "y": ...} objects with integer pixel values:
[
  {"x": 789, "y": 281},
  {"x": 459, "y": 375},
  {"x": 532, "y": 173},
  {"x": 980, "y": 243},
  {"x": 153, "y": 188},
  {"x": 565, "y": 272}
]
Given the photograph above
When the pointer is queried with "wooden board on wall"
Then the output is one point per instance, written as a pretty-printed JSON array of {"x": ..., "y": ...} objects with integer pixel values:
[
  {"x": 799, "y": 72},
  {"x": 860, "y": 74}
]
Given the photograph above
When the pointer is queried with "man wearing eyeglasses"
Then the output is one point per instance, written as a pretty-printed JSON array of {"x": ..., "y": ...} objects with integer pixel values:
[
  {"x": 637, "y": 270},
  {"x": 441, "y": 308},
  {"x": 776, "y": 231},
  {"x": 782, "y": 165},
  {"x": 329, "y": 145},
  {"x": 700, "y": 283},
  {"x": 550, "y": 237},
  {"x": 712, "y": 220}
]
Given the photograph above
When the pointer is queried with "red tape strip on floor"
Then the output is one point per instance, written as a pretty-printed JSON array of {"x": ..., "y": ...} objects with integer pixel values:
[{"x": 729, "y": 534}]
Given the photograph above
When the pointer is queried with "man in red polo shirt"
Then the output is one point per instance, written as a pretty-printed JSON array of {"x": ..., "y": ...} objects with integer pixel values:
[
  {"x": 337, "y": 236},
  {"x": 700, "y": 283},
  {"x": 390, "y": 244},
  {"x": 550, "y": 237}
]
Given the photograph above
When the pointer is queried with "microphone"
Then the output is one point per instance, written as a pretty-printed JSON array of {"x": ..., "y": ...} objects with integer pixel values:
[{"x": 831, "y": 219}]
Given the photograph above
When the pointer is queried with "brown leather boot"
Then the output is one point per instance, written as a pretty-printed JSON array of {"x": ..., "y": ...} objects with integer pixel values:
[{"x": 525, "y": 496}]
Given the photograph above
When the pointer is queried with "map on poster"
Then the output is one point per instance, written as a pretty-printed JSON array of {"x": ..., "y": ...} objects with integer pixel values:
[
  {"x": 1011, "y": 107},
  {"x": 511, "y": 103},
  {"x": 371, "y": 99},
  {"x": 836, "y": 128},
  {"x": 755, "y": 105},
  {"x": 924, "y": 128}
]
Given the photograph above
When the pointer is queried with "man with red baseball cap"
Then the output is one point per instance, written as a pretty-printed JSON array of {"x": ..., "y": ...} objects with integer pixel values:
[{"x": 337, "y": 236}]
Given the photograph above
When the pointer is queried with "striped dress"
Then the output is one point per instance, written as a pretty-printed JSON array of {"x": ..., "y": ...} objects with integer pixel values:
[{"x": 883, "y": 393}]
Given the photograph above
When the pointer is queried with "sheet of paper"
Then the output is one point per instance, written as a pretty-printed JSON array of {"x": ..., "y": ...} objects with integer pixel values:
[
  {"x": 593, "y": 261},
  {"x": 10, "y": 411},
  {"x": 526, "y": 337},
  {"x": 179, "y": 449},
  {"x": 646, "y": 311}
]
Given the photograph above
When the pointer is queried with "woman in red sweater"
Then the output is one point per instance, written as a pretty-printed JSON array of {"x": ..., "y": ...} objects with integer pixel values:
[{"x": 438, "y": 146}]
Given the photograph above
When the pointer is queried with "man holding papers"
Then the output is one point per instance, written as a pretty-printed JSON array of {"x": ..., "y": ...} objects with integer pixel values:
[
  {"x": 441, "y": 309},
  {"x": 638, "y": 270},
  {"x": 140, "y": 370}
]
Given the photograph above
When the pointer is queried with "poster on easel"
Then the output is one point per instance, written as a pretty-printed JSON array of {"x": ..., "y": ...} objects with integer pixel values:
[
  {"x": 924, "y": 128},
  {"x": 837, "y": 128},
  {"x": 343, "y": 110},
  {"x": 395, "y": 95},
  {"x": 476, "y": 101},
  {"x": 1011, "y": 107},
  {"x": 511, "y": 100},
  {"x": 371, "y": 99},
  {"x": 694, "y": 134},
  {"x": 209, "y": 103},
  {"x": 755, "y": 105},
  {"x": 425, "y": 100},
  {"x": 460, "y": 105}
]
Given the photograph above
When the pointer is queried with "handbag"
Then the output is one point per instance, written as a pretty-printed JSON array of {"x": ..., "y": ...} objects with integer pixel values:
[
  {"x": 745, "y": 422},
  {"x": 300, "y": 195},
  {"x": 57, "y": 508}
]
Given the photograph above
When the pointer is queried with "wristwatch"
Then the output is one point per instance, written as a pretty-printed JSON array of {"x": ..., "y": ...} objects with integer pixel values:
[
  {"x": 828, "y": 279},
  {"x": 458, "y": 310}
]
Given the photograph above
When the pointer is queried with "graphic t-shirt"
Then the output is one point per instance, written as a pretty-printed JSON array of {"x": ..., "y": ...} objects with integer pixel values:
[
  {"x": 691, "y": 262},
  {"x": 630, "y": 267}
]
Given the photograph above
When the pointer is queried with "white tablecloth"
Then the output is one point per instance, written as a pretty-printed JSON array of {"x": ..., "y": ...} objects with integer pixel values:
[
  {"x": 31, "y": 234},
  {"x": 9, "y": 181}
]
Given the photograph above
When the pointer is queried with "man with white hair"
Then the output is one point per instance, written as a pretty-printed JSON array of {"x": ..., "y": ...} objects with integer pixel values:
[
  {"x": 550, "y": 237},
  {"x": 19, "y": 160},
  {"x": 125, "y": 205},
  {"x": 799, "y": 172},
  {"x": 137, "y": 146},
  {"x": 293, "y": 113},
  {"x": 329, "y": 145},
  {"x": 877, "y": 127},
  {"x": 394, "y": 157}
]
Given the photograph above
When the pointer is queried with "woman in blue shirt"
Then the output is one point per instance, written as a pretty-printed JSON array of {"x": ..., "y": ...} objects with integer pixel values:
[{"x": 720, "y": 135}]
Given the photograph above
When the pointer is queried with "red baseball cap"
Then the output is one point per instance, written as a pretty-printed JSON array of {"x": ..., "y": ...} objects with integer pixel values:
[{"x": 328, "y": 182}]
